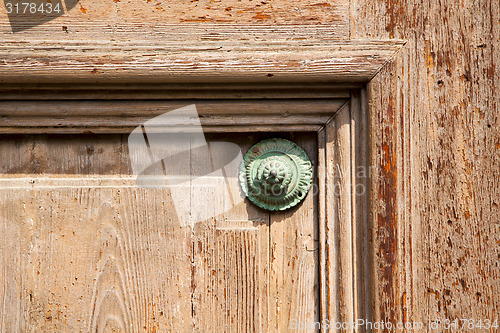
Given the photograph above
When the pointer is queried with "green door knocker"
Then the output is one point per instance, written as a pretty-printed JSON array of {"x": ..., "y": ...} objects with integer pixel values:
[{"x": 276, "y": 174}]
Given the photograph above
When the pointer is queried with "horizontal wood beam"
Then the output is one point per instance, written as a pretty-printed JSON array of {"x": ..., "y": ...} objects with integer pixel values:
[
  {"x": 207, "y": 91},
  {"x": 152, "y": 108},
  {"x": 227, "y": 54},
  {"x": 124, "y": 116},
  {"x": 126, "y": 130}
]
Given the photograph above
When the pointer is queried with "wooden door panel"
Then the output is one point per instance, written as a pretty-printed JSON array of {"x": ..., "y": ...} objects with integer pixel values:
[
  {"x": 83, "y": 248},
  {"x": 231, "y": 254},
  {"x": 90, "y": 258},
  {"x": 294, "y": 255}
]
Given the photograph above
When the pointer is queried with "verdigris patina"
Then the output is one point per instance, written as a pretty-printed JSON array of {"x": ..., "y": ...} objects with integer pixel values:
[{"x": 276, "y": 174}]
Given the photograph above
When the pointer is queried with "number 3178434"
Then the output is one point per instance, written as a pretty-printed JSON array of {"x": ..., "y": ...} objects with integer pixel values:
[{"x": 32, "y": 8}]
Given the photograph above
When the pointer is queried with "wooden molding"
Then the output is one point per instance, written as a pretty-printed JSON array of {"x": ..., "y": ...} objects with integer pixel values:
[
  {"x": 227, "y": 53},
  {"x": 173, "y": 91},
  {"x": 249, "y": 70},
  {"x": 343, "y": 214},
  {"x": 120, "y": 116}
]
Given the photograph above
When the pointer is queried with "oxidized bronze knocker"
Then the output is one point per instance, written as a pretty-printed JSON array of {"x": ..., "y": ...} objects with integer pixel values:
[{"x": 276, "y": 174}]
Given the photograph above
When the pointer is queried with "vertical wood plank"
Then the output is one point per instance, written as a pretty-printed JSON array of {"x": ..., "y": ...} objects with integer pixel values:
[
  {"x": 322, "y": 227},
  {"x": 360, "y": 175},
  {"x": 339, "y": 222},
  {"x": 331, "y": 227},
  {"x": 294, "y": 279},
  {"x": 11, "y": 253},
  {"x": 231, "y": 252},
  {"x": 343, "y": 213},
  {"x": 435, "y": 148}
]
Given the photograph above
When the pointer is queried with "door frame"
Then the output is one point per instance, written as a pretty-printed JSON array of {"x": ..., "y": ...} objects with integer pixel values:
[{"x": 266, "y": 73}]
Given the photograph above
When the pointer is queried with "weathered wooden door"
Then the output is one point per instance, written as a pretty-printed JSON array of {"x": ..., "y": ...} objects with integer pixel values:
[
  {"x": 420, "y": 247},
  {"x": 86, "y": 249}
]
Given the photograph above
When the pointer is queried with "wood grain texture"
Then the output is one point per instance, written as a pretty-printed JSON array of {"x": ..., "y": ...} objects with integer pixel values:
[
  {"x": 342, "y": 215},
  {"x": 294, "y": 266},
  {"x": 187, "y": 129},
  {"x": 83, "y": 248},
  {"x": 88, "y": 16},
  {"x": 343, "y": 230},
  {"x": 360, "y": 173},
  {"x": 86, "y": 246},
  {"x": 184, "y": 61},
  {"x": 124, "y": 116},
  {"x": 151, "y": 108},
  {"x": 231, "y": 252},
  {"x": 85, "y": 266},
  {"x": 435, "y": 151},
  {"x": 54, "y": 91},
  {"x": 434, "y": 123},
  {"x": 60, "y": 154}
]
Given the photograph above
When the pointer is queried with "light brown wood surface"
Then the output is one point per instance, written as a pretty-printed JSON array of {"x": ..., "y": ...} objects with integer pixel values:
[
  {"x": 286, "y": 59},
  {"x": 435, "y": 138},
  {"x": 89, "y": 16},
  {"x": 84, "y": 249},
  {"x": 132, "y": 42},
  {"x": 123, "y": 116},
  {"x": 293, "y": 276},
  {"x": 434, "y": 144}
]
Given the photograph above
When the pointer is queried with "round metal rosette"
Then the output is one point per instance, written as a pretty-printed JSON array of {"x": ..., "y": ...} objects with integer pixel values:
[{"x": 276, "y": 174}]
